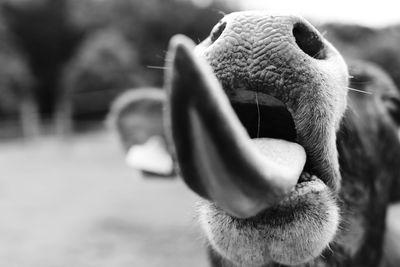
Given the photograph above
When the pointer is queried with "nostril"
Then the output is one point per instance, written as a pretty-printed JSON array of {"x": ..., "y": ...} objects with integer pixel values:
[
  {"x": 217, "y": 31},
  {"x": 309, "y": 41}
]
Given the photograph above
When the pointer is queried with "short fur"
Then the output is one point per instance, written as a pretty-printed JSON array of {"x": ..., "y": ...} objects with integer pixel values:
[{"x": 365, "y": 142}]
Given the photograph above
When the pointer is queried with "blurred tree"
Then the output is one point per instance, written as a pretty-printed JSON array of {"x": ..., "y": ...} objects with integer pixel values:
[
  {"x": 150, "y": 24},
  {"x": 17, "y": 105},
  {"x": 104, "y": 65},
  {"x": 50, "y": 32},
  {"x": 44, "y": 33},
  {"x": 147, "y": 27}
]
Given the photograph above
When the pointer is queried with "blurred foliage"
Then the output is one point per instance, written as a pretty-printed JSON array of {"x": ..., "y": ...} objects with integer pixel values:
[
  {"x": 43, "y": 32},
  {"x": 75, "y": 48},
  {"x": 104, "y": 65},
  {"x": 80, "y": 53},
  {"x": 148, "y": 24},
  {"x": 381, "y": 46},
  {"x": 15, "y": 78}
]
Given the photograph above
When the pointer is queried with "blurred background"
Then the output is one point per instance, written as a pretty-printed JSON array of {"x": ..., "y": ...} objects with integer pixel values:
[{"x": 66, "y": 196}]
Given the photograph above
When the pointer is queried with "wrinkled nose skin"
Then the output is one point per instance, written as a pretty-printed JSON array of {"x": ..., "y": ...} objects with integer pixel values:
[
  {"x": 257, "y": 56},
  {"x": 286, "y": 57}
]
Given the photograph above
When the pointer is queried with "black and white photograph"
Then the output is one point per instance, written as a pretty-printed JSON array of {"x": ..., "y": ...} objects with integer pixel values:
[{"x": 199, "y": 133}]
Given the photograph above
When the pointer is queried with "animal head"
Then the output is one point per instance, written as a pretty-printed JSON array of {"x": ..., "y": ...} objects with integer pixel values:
[{"x": 293, "y": 167}]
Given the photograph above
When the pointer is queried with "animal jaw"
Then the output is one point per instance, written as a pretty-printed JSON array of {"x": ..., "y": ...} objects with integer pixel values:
[{"x": 286, "y": 234}]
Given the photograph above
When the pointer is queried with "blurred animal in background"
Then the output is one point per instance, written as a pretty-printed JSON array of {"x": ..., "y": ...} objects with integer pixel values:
[
  {"x": 104, "y": 65},
  {"x": 369, "y": 77},
  {"x": 137, "y": 117},
  {"x": 307, "y": 182},
  {"x": 377, "y": 45}
]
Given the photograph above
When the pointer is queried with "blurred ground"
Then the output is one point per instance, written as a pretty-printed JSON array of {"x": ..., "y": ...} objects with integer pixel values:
[{"x": 75, "y": 203}]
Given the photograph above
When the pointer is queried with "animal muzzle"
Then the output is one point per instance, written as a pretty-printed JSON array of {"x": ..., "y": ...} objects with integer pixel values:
[
  {"x": 267, "y": 57},
  {"x": 217, "y": 158}
]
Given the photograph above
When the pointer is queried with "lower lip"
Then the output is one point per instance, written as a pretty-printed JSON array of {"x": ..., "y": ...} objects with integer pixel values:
[{"x": 312, "y": 185}]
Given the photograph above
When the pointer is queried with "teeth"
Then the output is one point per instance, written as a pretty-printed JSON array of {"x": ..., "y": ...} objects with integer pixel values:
[{"x": 312, "y": 184}]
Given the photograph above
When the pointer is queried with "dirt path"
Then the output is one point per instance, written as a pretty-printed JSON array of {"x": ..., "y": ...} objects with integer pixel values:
[{"x": 75, "y": 203}]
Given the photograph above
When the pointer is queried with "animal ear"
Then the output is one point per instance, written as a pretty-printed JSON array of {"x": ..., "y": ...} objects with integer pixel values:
[
  {"x": 367, "y": 76},
  {"x": 392, "y": 103},
  {"x": 137, "y": 118}
]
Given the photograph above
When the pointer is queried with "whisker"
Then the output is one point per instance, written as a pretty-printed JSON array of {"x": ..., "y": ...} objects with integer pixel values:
[
  {"x": 258, "y": 116},
  {"x": 351, "y": 76},
  {"x": 359, "y": 91},
  {"x": 219, "y": 12},
  {"x": 163, "y": 57},
  {"x": 317, "y": 54},
  {"x": 330, "y": 249},
  {"x": 156, "y": 67}
]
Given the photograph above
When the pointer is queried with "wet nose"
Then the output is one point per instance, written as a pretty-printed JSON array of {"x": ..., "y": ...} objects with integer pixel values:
[
  {"x": 279, "y": 29},
  {"x": 309, "y": 41}
]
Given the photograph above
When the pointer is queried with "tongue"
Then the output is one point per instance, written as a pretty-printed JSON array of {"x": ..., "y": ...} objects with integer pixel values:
[
  {"x": 281, "y": 158},
  {"x": 217, "y": 158}
]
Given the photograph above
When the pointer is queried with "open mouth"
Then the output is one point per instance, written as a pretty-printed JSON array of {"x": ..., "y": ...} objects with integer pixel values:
[
  {"x": 267, "y": 117},
  {"x": 241, "y": 155}
]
